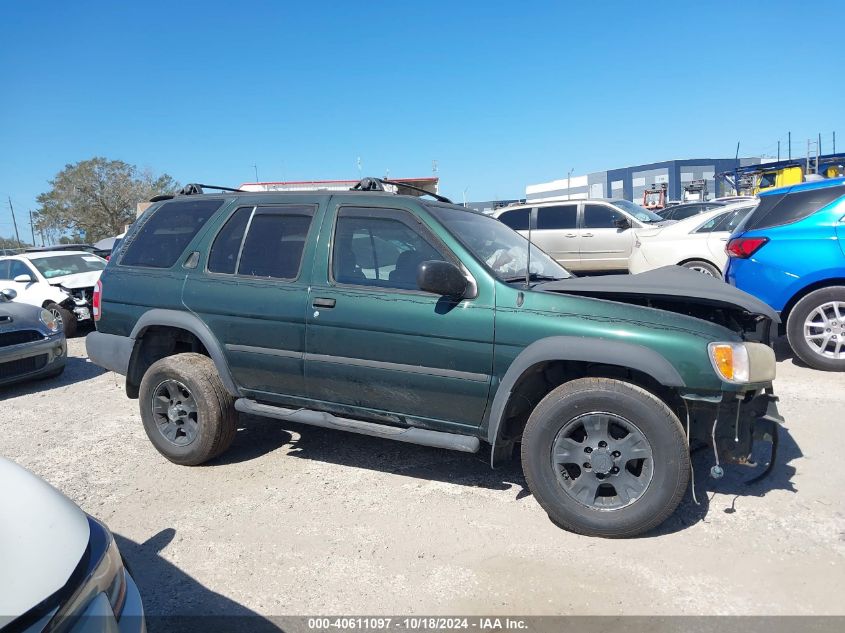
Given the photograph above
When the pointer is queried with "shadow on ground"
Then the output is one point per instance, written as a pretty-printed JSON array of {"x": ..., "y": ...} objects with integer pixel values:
[
  {"x": 258, "y": 436},
  {"x": 76, "y": 370},
  {"x": 175, "y": 601}
]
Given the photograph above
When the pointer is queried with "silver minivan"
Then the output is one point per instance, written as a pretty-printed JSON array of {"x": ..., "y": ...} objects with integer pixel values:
[{"x": 586, "y": 235}]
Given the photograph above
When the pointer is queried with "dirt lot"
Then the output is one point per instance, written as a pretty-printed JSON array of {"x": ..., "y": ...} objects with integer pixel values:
[{"x": 300, "y": 520}]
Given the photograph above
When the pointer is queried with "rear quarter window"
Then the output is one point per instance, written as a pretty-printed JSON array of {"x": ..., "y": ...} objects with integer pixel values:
[
  {"x": 165, "y": 235},
  {"x": 786, "y": 208}
]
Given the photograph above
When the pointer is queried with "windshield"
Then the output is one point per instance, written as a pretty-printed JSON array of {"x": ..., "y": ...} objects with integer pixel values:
[
  {"x": 643, "y": 215},
  {"x": 60, "y": 265},
  {"x": 501, "y": 248}
]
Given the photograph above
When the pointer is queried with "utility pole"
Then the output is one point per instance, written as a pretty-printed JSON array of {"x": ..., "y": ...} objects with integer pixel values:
[
  {"x": 790, "y": 144},
  {"x": 255, "y": 167},
  {"x": 778, "y": 151},
  {"x": 14, "y": 221},
  {"x": 834, "y": 141},
  {"x": 32, "y": 227},
  {"x": 569, "y": 184},
  {"x": 818, "y": 151}
]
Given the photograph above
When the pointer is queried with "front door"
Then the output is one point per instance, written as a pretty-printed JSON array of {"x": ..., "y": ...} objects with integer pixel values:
[
  {"x": 11, "y": 268},
  {"x": 557, "y": 233},
  {"x": 603, "y": 245},
  {"x": 376, "y": 344}
]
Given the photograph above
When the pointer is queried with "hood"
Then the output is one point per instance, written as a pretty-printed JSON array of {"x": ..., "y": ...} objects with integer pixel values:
[
  {"x": 78, "y": 280},
  {"x": 669, "y": 283},
  {"x": 43, "y": 536},
  {"x": 19, "y": 313}
]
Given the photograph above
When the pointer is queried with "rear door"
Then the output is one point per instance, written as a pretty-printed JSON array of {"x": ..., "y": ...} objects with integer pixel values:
[
  {"x": 602, "y": 244},
  {"x": 376, "y": 344},
  {"x": 557, "y": 233},
  {"x": 251, "y": 290}
]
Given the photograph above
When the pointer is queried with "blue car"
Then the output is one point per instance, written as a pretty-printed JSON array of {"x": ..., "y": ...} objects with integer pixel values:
[{"x": 789, "y": 252}]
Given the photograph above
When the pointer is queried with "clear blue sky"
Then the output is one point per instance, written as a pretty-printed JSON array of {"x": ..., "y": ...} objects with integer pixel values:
[{"x": 501, "y": 94}]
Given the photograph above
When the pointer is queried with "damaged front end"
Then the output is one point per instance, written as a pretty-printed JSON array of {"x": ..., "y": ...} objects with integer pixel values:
[
  {"x": 730, "y": 425},
  {"x": 78, "y": 302}
]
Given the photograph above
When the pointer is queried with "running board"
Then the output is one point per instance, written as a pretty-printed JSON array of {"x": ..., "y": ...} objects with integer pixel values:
[{"x": 425, "y": 437}]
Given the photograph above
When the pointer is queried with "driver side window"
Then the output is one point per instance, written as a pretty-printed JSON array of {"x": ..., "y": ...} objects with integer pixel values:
[
  {"x": 372, "y": 250},
  {"x": 17, "y": 267}
]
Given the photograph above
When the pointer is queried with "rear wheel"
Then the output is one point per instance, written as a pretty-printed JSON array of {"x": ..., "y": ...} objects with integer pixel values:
[
  {"x": 65, "y": 317},
  {"x": 705, "y": 268},
  {"x": 816, "y": 329},
  {"x": 605, "y": 458},
  {"x": 187, "y": 412}
]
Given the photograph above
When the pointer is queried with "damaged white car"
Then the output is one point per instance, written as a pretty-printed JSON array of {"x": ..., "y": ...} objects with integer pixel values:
[{"x": 59, "y": 281}]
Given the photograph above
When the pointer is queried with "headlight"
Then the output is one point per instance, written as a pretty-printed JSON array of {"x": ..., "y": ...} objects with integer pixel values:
[
  {"x": 104, "y": 573},
  {"x": 49, "y": 321},
  {"x": 741, "y": 363}
]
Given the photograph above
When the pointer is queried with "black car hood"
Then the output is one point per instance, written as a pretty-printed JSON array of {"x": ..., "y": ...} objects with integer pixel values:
[{"x": 670, "y": 283}]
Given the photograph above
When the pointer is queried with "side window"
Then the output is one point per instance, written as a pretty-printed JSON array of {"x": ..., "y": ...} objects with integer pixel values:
[
  {"x": 598, "y": 216},
  {"x": 516, "y": 219},
  {"x": 275, "y": 241},
  {"x": 163, "y": 237},
  {"x": 227, "y": 245},
  {"x": 558, "y": 217},
  {"x": 4, "y": 269},
  {"x": 17, "y": 267},
  {"x": 378, "y": 251},
  {"x": 712, "y": 223}
]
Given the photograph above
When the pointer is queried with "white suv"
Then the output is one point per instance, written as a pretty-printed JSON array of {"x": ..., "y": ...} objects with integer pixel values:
[
  {"x": 60, "y": 281},
  {"x": 589, "y": 235}
]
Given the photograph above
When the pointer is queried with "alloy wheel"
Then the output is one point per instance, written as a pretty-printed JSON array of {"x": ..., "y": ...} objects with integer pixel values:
[
  {"x": 824, "y": 329},
  {"x": 175, "y": 412},
  {"x": 602, "y": 460}
]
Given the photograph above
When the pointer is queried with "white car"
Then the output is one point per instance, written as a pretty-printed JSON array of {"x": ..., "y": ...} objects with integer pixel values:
[
  {"x": 697, "y": 242},
  {"x": 60, "y": 281},
  {"x": 61, "y": 569}
]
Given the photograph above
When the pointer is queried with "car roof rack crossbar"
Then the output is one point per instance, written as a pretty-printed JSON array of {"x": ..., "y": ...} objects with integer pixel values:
[
  {"x": 377, "y": 184},
  {"x": 191, "y": 189}
]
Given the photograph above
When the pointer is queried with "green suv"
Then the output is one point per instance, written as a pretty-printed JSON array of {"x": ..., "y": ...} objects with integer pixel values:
[{"x": 396, "y": 317}]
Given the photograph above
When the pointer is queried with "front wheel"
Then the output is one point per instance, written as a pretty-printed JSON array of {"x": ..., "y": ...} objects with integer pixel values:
[
  {"x": 66, "y": 318},
  {"x": 187, "y": 412},
  {"x": 816, "y": 329},
  {"x": 605, "y": 458}
]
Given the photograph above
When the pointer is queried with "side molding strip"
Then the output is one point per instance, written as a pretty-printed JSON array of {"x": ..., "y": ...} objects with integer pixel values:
[
  {"x": 412, "y": 369},
  {"x": 269, "y": 351},
  {"x": 425, "y": 437}
]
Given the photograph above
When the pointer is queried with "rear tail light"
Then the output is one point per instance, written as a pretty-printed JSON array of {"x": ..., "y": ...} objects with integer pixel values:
[
  {"x": 97, "y": 300},
  {"x": 745, "y": 247}
]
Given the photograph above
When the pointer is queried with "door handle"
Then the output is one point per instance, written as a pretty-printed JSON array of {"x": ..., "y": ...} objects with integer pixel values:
[
  {"x": 570, "y": 235},
  {"x": 723, "y": 239},
  {"x": 586, "y": 235},
  {"x": 322, "y": 302}
]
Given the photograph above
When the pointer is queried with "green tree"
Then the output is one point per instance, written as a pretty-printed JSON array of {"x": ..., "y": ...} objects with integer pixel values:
[{"x": 96, "y": 198}]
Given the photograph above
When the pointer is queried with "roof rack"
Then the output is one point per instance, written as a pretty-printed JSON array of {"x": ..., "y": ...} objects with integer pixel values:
[
  {"x": 191, "y": 189},
  {"x": 377, "y": 184}
]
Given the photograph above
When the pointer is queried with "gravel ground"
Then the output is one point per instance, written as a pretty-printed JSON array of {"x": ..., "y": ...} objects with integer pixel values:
[{"x": 301, "y": 520}]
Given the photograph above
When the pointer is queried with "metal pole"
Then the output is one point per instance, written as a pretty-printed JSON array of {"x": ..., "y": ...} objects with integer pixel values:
[
  {"x": 807, "y": 165},
  {"x": 32, "y": 227},
  {"x": 834, "y": 141},
  {"x": 818, "y": 151},
  {"x": 790, "y": 145},
  {"x": 14, "y": 221},
  {"x": 778, "y": 151}
]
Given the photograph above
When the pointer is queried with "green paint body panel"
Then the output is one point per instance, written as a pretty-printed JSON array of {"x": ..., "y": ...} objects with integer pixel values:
[{"x": 384, "y": 354}]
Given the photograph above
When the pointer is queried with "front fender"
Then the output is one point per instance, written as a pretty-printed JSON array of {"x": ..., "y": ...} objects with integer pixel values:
[{"x": 575, "y": 348}]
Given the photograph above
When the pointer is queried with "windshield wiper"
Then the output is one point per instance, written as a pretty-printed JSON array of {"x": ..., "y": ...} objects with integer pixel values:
[{"x": 531, "y": 277}]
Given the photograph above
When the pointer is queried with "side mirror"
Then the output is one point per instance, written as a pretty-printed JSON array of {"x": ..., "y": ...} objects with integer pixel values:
[
  {"x": 23, "y": 279},
  {"x": 8, "y": 294},
  {"x": 442, "y": 278},
  {"x": 622, "y": 224}
]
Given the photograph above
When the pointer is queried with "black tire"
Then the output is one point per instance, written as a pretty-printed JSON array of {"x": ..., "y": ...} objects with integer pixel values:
[
  {"x": 669, "y": 469},
  {"x": 795, "y": 329},
  {"x": 215, "y": 420},
  {"x": 705, "y": 268},
  {"x": 68, "y": 318}
]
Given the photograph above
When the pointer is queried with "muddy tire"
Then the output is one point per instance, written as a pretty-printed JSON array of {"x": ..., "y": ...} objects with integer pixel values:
[
  {"x": 68, "y": 318},
  {"x": 187, "y": 412},
  {"x": 605, "y": 458}
]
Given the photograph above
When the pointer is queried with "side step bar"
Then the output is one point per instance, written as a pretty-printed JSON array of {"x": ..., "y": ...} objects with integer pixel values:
[{"x": 425, "y": 437}]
